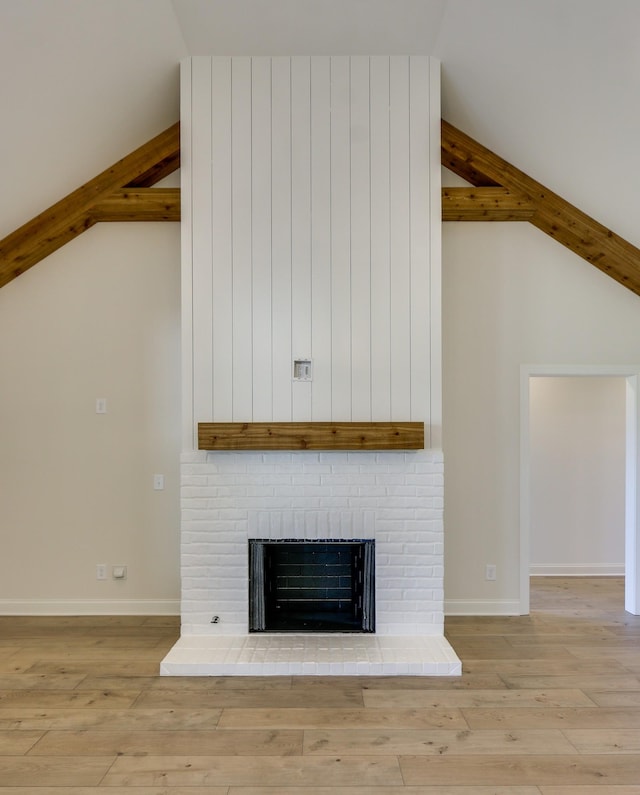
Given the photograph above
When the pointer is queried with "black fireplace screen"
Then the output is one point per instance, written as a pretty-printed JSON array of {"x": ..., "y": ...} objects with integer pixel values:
[{"x": 311, "y": 586}]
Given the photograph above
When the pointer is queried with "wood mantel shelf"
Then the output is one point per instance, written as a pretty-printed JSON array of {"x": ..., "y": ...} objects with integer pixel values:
[{"x": 310, "y": 435}]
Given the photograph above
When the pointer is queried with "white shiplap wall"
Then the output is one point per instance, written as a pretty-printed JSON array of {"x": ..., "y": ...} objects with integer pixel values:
[{"x": 311, "y": 229}]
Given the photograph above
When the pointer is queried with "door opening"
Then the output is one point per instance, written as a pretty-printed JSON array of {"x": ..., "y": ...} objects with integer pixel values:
[
  {"x": 631, "y": 514},
  {"x": 577, "y": 465}
]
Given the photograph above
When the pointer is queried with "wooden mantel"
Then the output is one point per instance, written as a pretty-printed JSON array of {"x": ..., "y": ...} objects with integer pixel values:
[{"x": 311, "y": 436}]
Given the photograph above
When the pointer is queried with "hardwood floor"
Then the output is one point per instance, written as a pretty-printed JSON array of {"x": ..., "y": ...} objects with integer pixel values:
[{"x": 548, "y": 704}]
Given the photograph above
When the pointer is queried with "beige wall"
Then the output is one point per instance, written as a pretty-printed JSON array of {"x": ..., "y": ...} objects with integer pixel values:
[
  {"x": 99, "y": 318},
  {"x": 510, "y": 297},
  {"x": 545, "y": 84}
]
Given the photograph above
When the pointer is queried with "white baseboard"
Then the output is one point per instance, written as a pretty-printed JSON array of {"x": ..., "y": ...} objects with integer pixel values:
[
  {"x": 577, "y": 570},
  {"x": 89, "y": 607},
  {"x": 481, "y": 607}
]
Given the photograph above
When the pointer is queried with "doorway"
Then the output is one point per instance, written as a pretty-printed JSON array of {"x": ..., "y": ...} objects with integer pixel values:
[
  {"x": 631, "y": 531},
  {"x": 577, "y": 455}
]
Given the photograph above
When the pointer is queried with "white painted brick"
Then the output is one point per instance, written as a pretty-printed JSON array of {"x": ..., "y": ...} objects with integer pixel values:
[
  {"x": 395, "y": 498},
  {"x": 278, "y": 459},
  {"x": 373, "y": 469}
]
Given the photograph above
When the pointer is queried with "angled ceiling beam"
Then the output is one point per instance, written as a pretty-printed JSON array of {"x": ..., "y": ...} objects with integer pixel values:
[
  {"x": 158, "y": 170},
  {"x": 70, "y": 216},
  {"x": 553, "y": 215}
]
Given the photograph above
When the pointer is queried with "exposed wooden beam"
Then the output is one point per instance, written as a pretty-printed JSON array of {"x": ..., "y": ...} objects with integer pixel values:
[
  {"x": 70, "y": 216},
  {"x": 157, "y": 171},
  {"x": 554, "y": 215},
  {"x": 139, "y": 204},
  {"x": 485, "y": 204},
  {"x": 458, "y": 204}
]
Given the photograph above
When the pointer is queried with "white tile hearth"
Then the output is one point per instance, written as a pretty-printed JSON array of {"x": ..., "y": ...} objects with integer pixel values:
[{"x": 319, "y": 654}]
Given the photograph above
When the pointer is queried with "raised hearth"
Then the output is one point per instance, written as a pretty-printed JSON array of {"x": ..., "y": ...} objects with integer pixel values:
[{"x": 264, "y": 654}]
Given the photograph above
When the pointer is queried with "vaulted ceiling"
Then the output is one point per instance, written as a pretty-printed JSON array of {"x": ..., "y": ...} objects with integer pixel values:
[
  {"x": 546, "y": 83},
  {"x": 318, "y": 27}
]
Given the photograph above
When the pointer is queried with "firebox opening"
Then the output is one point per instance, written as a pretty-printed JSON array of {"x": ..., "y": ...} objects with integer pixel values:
[{"x": 311, "y": 586}]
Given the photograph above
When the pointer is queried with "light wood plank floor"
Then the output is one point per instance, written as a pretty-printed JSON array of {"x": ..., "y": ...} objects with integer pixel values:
[{"x": 548, "y": 704}]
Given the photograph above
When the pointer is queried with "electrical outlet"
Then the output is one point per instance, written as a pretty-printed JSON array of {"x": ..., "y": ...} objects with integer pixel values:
[
  {"x": 158, "y": 482},
  {"x": 101, "y": 405},
  {"x": 490, "y": 572},
  {"x": 101, "y": 571}
]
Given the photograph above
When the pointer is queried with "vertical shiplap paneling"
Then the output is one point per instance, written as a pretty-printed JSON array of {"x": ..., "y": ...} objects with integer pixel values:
[
  {"x": 315, "y": 176},
  {"x": 360, "y": 210},
  {"x": 301, "y": 229},
  {"x": 340, "y": 240},
  {"x": 433, "y": 431},
  {"x": 419, "y": 231},
  {"x": 222, "y": 306},
  {"x": 202, "y": 240},
  {"x": 241, "y": 226},
  {"x": 400, "y": 239},
  {"x": 186, "y": 253},
  {"x": 261, "y": 238},
  {"x": 321, "y": 309},
  {"x": 380, "y": 243},
  {"x": 281, "y": 237}
]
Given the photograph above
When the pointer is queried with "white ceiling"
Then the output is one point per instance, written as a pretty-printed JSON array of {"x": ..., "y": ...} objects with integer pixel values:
[
  {"x": 548, "y": 84},
  {"x": 327, "y": 27}
]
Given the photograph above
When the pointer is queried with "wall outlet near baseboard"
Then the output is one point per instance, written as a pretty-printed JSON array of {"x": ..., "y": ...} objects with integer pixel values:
[{"x": 490, "y": 571}]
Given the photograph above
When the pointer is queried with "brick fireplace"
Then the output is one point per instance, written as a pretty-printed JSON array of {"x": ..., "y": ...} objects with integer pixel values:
[
  {"x": 311, "y": 233},
  {"x": 394, "y": 498}
]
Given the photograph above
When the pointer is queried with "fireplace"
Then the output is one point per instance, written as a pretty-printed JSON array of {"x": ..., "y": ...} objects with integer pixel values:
[
  {"x": 392, "y": 498},
  {"x": 317, "y": 586},
  {"x": 311, "y": 217}
]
